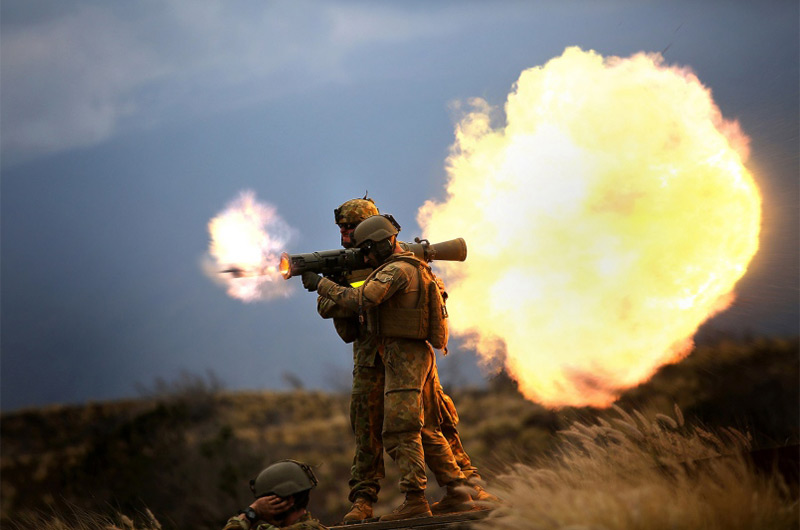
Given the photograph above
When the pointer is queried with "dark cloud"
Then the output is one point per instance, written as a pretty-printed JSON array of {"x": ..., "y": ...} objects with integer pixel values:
[{"x": 126, "y": 126}]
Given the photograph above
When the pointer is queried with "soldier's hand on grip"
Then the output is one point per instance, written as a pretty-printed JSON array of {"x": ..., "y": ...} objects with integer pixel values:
[
  {"x": 311, "y": 280},
  {"x": 339, "y": 279}
]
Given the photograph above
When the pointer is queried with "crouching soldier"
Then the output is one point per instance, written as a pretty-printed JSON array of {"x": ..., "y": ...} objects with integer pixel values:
[{"x": 281, "y": 492}]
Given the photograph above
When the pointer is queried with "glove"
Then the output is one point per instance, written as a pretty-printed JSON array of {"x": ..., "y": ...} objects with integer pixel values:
[{"x": 311, "y": 280}]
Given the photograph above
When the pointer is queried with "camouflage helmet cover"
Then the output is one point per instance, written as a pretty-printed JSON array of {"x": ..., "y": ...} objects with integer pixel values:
[
  {"x": 355, "y": 210},
  {"x": 375, "y": 229},
  {"x": 283, "y": 478}
]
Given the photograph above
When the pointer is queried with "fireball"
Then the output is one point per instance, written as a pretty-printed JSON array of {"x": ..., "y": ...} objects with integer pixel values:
[{"x": 609, "y": 214}]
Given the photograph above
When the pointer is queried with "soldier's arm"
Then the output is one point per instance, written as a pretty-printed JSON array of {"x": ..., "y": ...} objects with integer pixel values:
[
  {"x": 266, "y": 509},
  {"x": 266, "y": 526},
  {"x": 378, "y": 287},
  {"x": 327, "y": 308},
  {"x": 237, "y": 523},
  {"x": 240, "y": 523}
]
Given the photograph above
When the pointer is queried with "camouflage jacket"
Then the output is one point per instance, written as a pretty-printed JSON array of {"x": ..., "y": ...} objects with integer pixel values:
[
  {"x": 306, "y": 522},
  {"x": 346, "y": 322},
  {"x": 395, "y": 282}
]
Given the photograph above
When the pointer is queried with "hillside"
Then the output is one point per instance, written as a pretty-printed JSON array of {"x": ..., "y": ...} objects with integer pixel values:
[{"x": 186, "y": 452}]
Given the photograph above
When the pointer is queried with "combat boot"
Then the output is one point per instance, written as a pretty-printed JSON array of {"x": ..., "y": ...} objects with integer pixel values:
[
  {"x": 483, "y": 497},
  {"x": 415, "y": 505},
  {"x": 457, "y": 499},
  {"x": 361, "y": 509}
]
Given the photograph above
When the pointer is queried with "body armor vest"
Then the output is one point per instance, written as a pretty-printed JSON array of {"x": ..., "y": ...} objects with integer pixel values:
[{"x": 426, "y": 321}]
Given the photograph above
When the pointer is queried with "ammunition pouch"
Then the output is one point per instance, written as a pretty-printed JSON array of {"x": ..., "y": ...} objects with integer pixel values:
[{"x": 346, "y": 328}]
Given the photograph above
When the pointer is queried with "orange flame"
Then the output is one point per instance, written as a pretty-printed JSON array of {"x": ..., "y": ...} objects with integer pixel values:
[
  {"x": 246, "y": 241},
  {"x": 608, "y": 218}
]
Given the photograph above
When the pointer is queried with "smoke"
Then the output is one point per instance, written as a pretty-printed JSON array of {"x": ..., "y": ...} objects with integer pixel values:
[
  {"x": 247, "y": 238},
  {"x": 608, "y": 216}
]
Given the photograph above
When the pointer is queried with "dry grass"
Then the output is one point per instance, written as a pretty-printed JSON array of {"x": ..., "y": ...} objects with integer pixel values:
[
  {"x": 74, "y": 518},
  {"x": 187, "y": 449},
  {"x": 634, "y": 472}
]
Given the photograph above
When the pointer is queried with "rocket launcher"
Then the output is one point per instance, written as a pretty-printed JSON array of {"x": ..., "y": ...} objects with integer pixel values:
[{"x": 341, "y": 261}]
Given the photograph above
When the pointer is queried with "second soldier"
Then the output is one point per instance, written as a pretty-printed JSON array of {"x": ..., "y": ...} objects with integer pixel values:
[{"x": 395, "y": 381}]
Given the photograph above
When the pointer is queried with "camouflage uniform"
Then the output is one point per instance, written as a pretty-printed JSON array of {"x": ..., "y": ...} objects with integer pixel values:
[
  {"x": 305, "y": 522},
  {"x": 366, "y": 402},
  {"x": 366, "y": 408},
  {"x": 411, "y": 412},
  {"x": 448, "y": 422}
]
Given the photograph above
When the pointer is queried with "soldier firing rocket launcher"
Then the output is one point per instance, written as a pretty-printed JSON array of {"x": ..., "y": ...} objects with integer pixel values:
[{"x": 341, "y": 261}]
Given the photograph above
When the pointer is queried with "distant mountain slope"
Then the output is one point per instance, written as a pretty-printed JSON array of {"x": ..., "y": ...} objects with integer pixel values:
[{"x": 187, "y": 454}]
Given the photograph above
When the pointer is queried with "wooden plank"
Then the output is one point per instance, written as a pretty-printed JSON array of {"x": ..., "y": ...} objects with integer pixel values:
[{"x": 438, "y": 522}]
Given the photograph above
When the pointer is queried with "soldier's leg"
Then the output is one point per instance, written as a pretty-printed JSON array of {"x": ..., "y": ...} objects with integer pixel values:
[
  {"x": 407, "y": 366},
  {"x": 448, "y": 417},
  {"x": 439, "y": 455},
  {"x": 454, "y": 500},
  {"x": 366, "y": 420},
  {"x": 450, "y": 432},
  {"x": 449, "y": 422}
]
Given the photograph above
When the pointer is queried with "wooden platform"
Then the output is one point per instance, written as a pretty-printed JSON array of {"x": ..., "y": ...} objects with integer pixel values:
[{"x": 440, "y": 522}]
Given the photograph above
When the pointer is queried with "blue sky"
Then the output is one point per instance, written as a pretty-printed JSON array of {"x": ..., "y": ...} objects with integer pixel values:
[{"x": 126, "y": 126}]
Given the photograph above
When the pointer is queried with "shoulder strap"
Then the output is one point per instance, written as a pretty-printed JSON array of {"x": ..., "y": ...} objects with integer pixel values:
[
  {"x": 409, "y": 259},
  {"x": 361, "y": 318},
  {"x": 415, "y": 261}
]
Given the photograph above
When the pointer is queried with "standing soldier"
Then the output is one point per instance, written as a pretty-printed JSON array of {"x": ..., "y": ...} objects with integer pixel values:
[
  {"x": 405, "y": 369},
  {"x": 366, "y": 400},
  {"x": 281, "y": 492}
]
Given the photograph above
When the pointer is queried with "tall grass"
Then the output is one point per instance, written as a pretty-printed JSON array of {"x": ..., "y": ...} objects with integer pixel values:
[
  {"x": 75, "y": 518},
  {"x": 634, "y": 472}
]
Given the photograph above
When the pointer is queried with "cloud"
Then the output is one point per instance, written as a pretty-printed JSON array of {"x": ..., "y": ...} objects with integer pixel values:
[
  {"x": 67, "y": 81},
  {"x": 75, "y": 77}
]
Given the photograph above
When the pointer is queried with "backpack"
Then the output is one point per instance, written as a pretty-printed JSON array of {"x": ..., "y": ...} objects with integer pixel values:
[{"x": 438, "y": 330}]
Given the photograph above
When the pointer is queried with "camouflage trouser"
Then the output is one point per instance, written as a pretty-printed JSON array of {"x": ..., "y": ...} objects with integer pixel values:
[
  {"x": 366, "y": 420},
  {"x": 411, "y": 430},
  {"x": 448, "y": 420}
]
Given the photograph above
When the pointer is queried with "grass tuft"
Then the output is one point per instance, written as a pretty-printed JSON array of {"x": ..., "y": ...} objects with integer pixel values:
[{"x": 649, "y": 477}]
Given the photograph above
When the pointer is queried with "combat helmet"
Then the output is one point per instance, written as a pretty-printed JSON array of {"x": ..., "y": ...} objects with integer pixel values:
[
  {"x": 283, "y": 478},
  {"x": 375, "y": 229},
  {"x": 355, "y": 210}
]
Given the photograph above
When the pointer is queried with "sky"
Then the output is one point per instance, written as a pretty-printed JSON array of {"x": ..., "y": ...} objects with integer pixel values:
[{"x": 126, "y": 126}]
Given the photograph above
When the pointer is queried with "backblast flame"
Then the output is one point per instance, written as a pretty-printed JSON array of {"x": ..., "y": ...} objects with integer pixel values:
[
  {"x": 608, "y": 218},
  {"x": 246, "y": 241}
]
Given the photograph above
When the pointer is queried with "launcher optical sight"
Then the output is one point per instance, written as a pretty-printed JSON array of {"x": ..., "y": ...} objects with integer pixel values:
[{"x": 340, "y": 261}]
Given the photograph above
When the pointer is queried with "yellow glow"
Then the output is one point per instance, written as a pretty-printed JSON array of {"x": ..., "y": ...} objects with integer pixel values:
[
  {"x": 608, "y": 218},
  {"x": 285, "y": 266}
]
